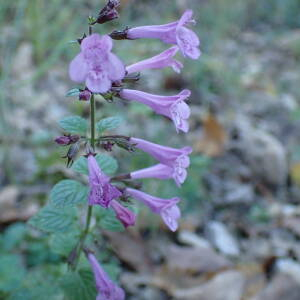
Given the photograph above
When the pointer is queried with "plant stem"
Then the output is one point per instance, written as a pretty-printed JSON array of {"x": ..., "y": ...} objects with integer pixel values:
[
  {"x": 93, "y": 122},
  {"x": 90, "y": 208}
]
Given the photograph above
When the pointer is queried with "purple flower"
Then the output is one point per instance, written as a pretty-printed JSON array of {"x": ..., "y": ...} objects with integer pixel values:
[
  {"x": 166, "y": 208},
  {"x": 96, "y": 65},
  {"x": 162, "y": 60},
  {"x": 101, "y": 191},
  {"x": 173, "y": 107},
  {"x": 107, "y": 289},
  {"x": 173, "y": 162},
  {"x": 172, "y": 33},
  {"x": 125, "y": 215},
  {"x": 161, "y": 171},
  {"x": 158, "y": 171}
]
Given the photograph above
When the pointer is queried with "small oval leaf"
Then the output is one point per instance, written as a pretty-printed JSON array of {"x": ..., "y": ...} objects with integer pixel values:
[
  {"x": 108, "y": 124},
  {"x": 68, "y": 193},
  {"x": 74, "y": 124}
]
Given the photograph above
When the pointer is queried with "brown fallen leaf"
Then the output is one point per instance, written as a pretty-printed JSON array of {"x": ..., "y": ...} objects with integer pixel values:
[
  {"x": 131, "y": 249},
  {"x": 281, "y": 287},
  {"x": 255, "y": 278},
  {"x": 11, "y": 210},
  {"x": 195, "y": 260},
  {"x": 213, "y": 140},
  {"x": 295, "y": 173},
  {"x": 227, "y": 285},
  {"x": 293, "y": 224}
]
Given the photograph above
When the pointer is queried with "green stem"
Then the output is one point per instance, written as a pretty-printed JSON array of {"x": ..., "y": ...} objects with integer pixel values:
[
  {"x": 93, "y": 122},
  {"x": 90, "y": 208}
]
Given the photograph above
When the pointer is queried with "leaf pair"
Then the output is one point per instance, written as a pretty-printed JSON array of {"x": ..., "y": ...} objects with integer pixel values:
[{"x": 78, "y": 125}]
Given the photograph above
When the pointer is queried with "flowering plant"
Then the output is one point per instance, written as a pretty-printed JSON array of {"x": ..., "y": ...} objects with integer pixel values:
[{"x": 103, "y": 73}]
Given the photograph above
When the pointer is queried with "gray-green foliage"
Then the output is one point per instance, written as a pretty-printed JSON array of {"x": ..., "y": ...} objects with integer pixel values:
[
  {"x": 79, "y": 285},
  {"x": 63, "y": 243},
  {"x": 74, "y": 124},
  {"x": 107, "y": 219},
  {"x": 53, "y": 219},
  {"x": 68, "y": 193},
  {"x": 12, "y": 272},
  {"x": 108, "y": 124}
]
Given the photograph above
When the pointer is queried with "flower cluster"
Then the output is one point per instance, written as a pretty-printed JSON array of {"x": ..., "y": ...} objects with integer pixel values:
[{"x": 102, "y": 72}]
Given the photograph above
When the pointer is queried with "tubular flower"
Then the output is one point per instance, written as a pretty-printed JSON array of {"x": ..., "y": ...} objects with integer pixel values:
[
  {"x": 158, "y": 171},
  {"x": 161, "y": 171},
  {"x": 172, "y": 33},
  {"x": 96, "y": 65},
  {"x": 166, "y": 208},
  {"x": 165, "y": 155},
  {"x": 101, "y": 191},
  {"x": 107, "y": 289},
  {"x": 125, "y": 215},
  {"x": 173, "y": 107},
  {"x": 162, "y": 60},
  {"x": 173, "y": 162}
]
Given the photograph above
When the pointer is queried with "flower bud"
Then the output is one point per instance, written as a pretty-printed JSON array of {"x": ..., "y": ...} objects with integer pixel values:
[
  {"x": 119, "y": 34},
  {"x": 109, "y": 12},
  {"x": 72, "y": 153},
  {"x": 108, "y": 146},
  {"x": 85, "y": 95},
  {"x": 67, "y": 139}
]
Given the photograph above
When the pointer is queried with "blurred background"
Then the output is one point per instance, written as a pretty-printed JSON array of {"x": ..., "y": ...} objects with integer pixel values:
[{"x": 239, "y": 234}]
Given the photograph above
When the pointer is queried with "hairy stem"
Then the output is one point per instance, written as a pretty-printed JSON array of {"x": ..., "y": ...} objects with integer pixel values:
[
  {"x": 90, "y": 208},
  {"x": 93, "y": 122}
]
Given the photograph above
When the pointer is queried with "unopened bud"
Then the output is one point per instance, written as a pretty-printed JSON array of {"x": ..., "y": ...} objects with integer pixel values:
[
  {"x": 108, "y": 146},
  {"x": 109, "y": 12},
  {"x": 120, "y": 34},
  {"x": 85, "y": 95},
  {"x": 72, "y": 152},
  {"x": 67, "y": 139}
]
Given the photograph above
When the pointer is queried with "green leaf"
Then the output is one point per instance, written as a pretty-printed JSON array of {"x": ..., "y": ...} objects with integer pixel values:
[
  {"x": 74, "y": 124},
  {"x": 68, "y": 193},
  {"x": 113, "y": 270},
  {"x": 11, "y": 272},
  {"x": 73, "y": 92},
  {"x": 107, "y": 220},
  {"x": 107, "y": 164},
  {"x": 64, "y": 243},
  {"x": 80, "y": 165},
  {"x": 41, "y": 284},
  {"x": 52, "y": 219},
  {"x": 108, "y": 124},
  {"x": 13, "y": 236},
  {"x": 79, "y": 285}
]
